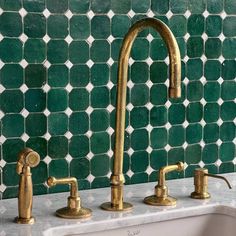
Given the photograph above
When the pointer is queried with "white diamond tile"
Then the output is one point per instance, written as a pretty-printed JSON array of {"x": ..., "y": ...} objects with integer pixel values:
[
  {"x": 221, "y": 37},
  {"x": 149, "y": 149},
  {"x": 110, "y": 14},
  {"x": 223, "y": 15},
  {"x": 89, "y": 63},
  {"x": 47, "y": 159},
  {"x": 219, "y": 122},
  {"x": 46, "y": 112},
  {"x": 130, "y": 173},
  {"x": 186, "y": 36},
  {"x": 46, "y": 13},
  {"x": 168, "y": 125},
  {"x": 1, "y": 114},
  {"x": 131, "y": 61},
  {"x": 129, "y": 129},
  {"x": 203, "y": 80},
  {"x": 203, "y": 123},
  {"x": 46, "y": 88},
  {"x": 110, "y": 61},
  {"x": 169, "y": 14},
  {"x": 46, "y": 38},
  {"x": 23, "y": 12},
  {"x": 110, "y": 85},
  {"x": 203, "y": 101},
  {"x": 89, "y": 110},
  {"x": 149, "y": 128},
  {"x": 205, "y": 13},
  {"x": 1, "y": 11},
  {"x": 203, "y": 58},
  {"x": 186, "y": 102},
  {"x": 167, "y": 60},
  {"x": 2, "y": 188},
  {"x": 220, "y": 80},
  {"x": 149, "y": 83},
  {"x": 1, "y": 64},
  {"x": 220, "y": 101},
  {"x": 90, "y": 14},
  {"x": 149, "y": 106},
  {"x": 149, "y": 61},
  {"x": 68, "y": 135},
  {"x": 186, "y": 58},
  {"x": 69, "y": 158},
  {"x": 25, "y": 137},
  {"x": 202, "y": 143},
  {"x": 167, "y": 147},
  {"x": 2, "y": 163},
  {"x": 89, "y": 87},
  {"x": 90, "y": 39},
  {"x": 110, "y": 153},
  {"x": 131, "y": 13},
  {"x": 47, "y": 136},
  {"x": 150, "y": 37},
  {"x": 110, "y": 39},
  {"x": 23, "y": 88},
  {"x": 221, "y": 59},
  {"x": 204, "y": 36},
  {"x": 218, "y": 162},
  {"x": 110, "y": 130},
  {"x": 68, "y": 88},
  {"x": 219, "y": 142},
  {"x": 68, "y": 64},
  {"x": 130, "y": 107},
  {"x": 130, "y": 151},
  {"x": 90, "y": 155},
  {"x": 23, "y": 63},
  {"x": 90, "y": 178},
  {"x": 185, "y": 124},
  {"x": 130, "y": 84},
  {"x": 167, "y": 82},
  {"x": 168, "y": 104},
  {"x": 68, "y": 111},
  {"x": 23, "y": 38},
  {"x": 185, "y": 145},
  {"x": 110, "y": 108},
  {"x": 150, "y": 14},
  {"x": 89, "y": 133},
  {"x": 201, "y": 164},
  {"x": 187, "y": 14},
  {"x": 234, "y": 162},
  {"x": 68, "y": 39},
  {"x": 2, "y": 88},
  {"x": 185, "y": 165},
  {"x": 149, "y": 170},
  {"x": 2, "y": 139},
  {"x": 69, "y": 14},
  {"x": 47, "y": 64}
]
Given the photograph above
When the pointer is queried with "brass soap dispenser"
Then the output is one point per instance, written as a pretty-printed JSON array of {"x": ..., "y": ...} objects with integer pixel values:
[{"x": 27, "y": 158}]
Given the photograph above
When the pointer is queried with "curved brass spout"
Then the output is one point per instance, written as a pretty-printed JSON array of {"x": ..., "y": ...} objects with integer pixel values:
[{"x": 117, "y": 178}]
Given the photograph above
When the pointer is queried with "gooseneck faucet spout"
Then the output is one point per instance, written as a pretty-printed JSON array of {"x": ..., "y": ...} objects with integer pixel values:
[{"x": 117, "y": 177}]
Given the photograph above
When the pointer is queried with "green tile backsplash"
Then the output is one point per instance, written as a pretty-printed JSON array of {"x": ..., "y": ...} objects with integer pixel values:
[{"x": 58, "y": 66}]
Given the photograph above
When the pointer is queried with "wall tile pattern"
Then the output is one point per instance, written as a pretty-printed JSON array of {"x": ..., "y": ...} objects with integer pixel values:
[{"x": 58, "y": 65}]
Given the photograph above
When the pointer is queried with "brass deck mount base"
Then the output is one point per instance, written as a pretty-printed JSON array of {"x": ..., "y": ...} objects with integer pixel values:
[
  {"x": 159, "y": 201},
  {"x": 197, "y": 195},
  {"x": 28, "y": 221},
  {"x": 68, "y": 213},
  {"x": 108, "y": 206}
]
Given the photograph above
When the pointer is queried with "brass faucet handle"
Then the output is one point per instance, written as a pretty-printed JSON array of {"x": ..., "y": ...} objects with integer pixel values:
[
  {"x": 73, "y": 209},
  {"x": 161, "y": 197},
  {"x": 201, "y": 183}
]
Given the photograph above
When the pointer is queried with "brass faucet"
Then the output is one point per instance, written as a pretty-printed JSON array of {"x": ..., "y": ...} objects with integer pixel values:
[
  {"x": 201, "y": 183},
  {"x": 27, "y": 158},
  {"x": 73, "y": 209},
  {"x": 117, "y": 177},
  {"x": 161, "y": 197}
]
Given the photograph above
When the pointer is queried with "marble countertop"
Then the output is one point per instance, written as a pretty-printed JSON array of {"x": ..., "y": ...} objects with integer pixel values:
[{"x": 44, "y": 207}]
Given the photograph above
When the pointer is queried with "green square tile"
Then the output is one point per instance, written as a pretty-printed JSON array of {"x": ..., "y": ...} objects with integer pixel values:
[
  {"x": 194, "y": 91},
  {"x": 79, "y": 75},
  {"x": 11, "y": 149},
  {"x": 138, "y": 178},
  {"x": 158, "y": 50},
  {"x": 158, "y": 72},
  {"x": 176, "y": 114},
  {"x": 57, "y": 51},
  {"x": 113, "y": 73},
  {"x": 139, "y": 95},
  {"x": 58, "y": 168},
  {"x": 229, "y": 48},
  {"x": 11, "y": 76},
  {"x": 100, "y": 165},
  {"x": 79, "y": 52},
  {"x": 228, "y": 111},
  {"x": 79, "y": 6},
  {"x": 227, "y": 152},
  {"x": 196, "y": 7},
  {"x": 100, "y": 6},
  {"x": 196, "y": 24},
  {"x": 158, "y": 94},
  {"x": 35, "y": 100},
  {"x": 213, "y": 25},
  {"x": 158, "y": 159},
  {"x": 11, "y": 50},
  {"x": 189, "y": 171},
  {"x": 39, "y": 145},
  {"x": 35, "y": 25},
  {"x": 194, "y": 69},
  {"x": 100, "y": 97},
  {"x": 57, "y": 100},
  {"x": 34, "y": 6},
  {"x": 57, "y": 32},
  {"x": 58, "y": 147},
  {"x": 139, "y": 72},
  {"x": 12, "y": 125},
  {"x": 158, "y": 138},
  {"x": 228, "y": 90},
  {"x": 115, "y": 51},
  {"x": 9, "y": 175},
  {"x": 10, "y": 192},
  {"x": 35, "y": 51},
  {"x": 79, "y": 27},
  {"x": 175, "y": 155},
  {"x": 100, "y": 27},
  {"x": 193, "y": 154},
  {"x": 182, "y": 47},
  {"x": 79, "y": 146},
  {"x": 100, "y": 142},
  {"x": 30, "y": 124},
  {"x": 213, "y": 48},
  {"x": 57, "y": 6},
  {"x": 99, "y": 74},
  {"x": 39, "y": 173},
  {"x": 11, "y": 24},
  {"x": 139, "y": 50},
  {"x": 227, "y": 131},
  {"x": 60, "y": 188},
  {"x": 210, "y": 153},
  {"x": 193, "y": 133},
  {"x": 78, "y": 123},
  {"x": 99, "y": 120},
  {"x": 58, "y": 76},
  {"x": 211, "y": 112},
  {"x": 194, "y": 112},
  {"x": 160, "y": 7},
  {"x": 139, "y": 117},
  {"x": 211, "y": 91},
  {"x": 140, "y": 6},
  {"x": 182, "y": 98},
  {"x": 215, "y": 7},
  {"x": 230, "y": 7},
  {"x": 122, "y": 6},
  {"x": 229, "y": 69},
  {"x": 35, "y": 75},
  {"x": 8, "y": 104},
  {"x": 100, "y": 51},
  {"x": 178, "y": 6},
  {"x": 126, "y": 164},
  {"x": 211, "y": 133},
  {"x": 158, "y": 116},
  {"x": 176, "y": 136},
  {"x": 195, "y": 47},
  {"x": 78, "y": 99},
  {"x": 120, "y": 25},
  {"x": 100, "y": 182},
  {"x": 178, "y": 25},
  {"x": 139, "y": 139},
  {"x": 9, "y": 5},
  {"x": 136, "y": 18},
  {"x": 57, "y": 123},
  {"x": 139, "y": 161},
  {"x": 226, "y": 167},
  {"x": 39, "y": 189}
]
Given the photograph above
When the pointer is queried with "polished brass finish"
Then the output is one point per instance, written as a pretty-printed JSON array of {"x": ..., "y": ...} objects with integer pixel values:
[
  {"x": 73, "y": 209},
  {"x": 117, "y": 178},
  {"x": 201, "y": 183},
  {"x": 161, "y": 197},
  {"x": 27, "y": 158}
]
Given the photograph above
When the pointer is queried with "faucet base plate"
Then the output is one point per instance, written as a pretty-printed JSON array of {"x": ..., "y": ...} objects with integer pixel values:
[
  {"x": 160, "y": 201},
  {"x": 68, "y": 213},
  {"x": 108, "y": 206},
  {"x": 28, "y": 221}
]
